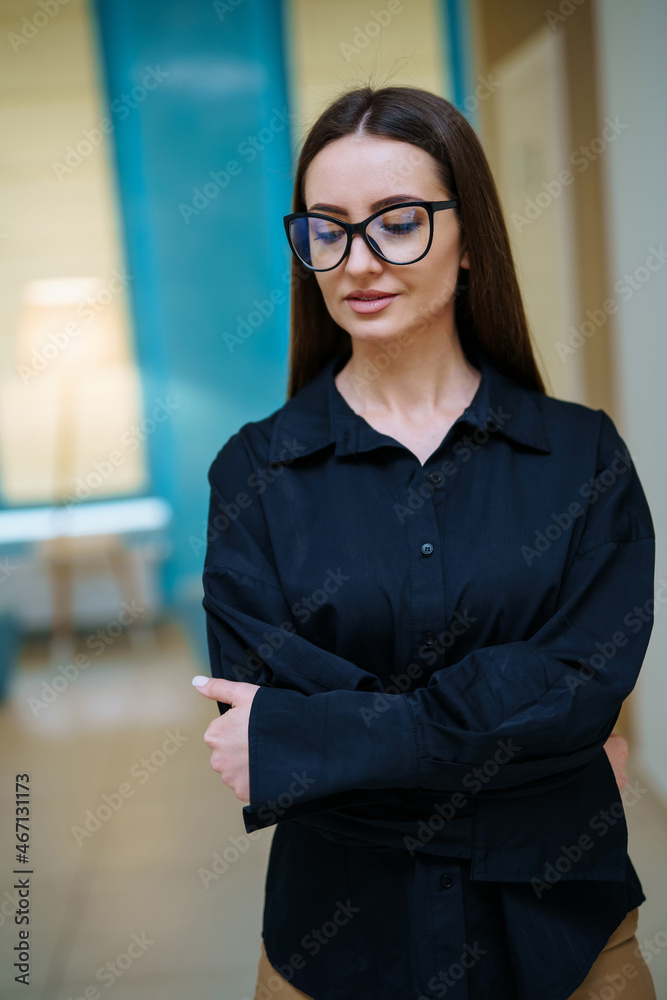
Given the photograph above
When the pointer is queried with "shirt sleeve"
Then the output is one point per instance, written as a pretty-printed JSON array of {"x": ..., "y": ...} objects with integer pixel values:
[
  {"x": 519, "y": 716},
  {"x": 250, "y": 628}
]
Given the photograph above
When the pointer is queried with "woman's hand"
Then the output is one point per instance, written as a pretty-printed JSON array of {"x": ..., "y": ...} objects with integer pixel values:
[
  {"x": 227, "y": 736},
  {"x": 617, "y": 751}
]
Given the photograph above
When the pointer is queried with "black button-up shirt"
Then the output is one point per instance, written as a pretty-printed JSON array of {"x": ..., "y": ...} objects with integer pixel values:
[{"x": 442, "y": 651}]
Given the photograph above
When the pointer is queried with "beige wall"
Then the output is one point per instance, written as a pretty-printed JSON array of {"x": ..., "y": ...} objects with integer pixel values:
[
  {"x": 58, "y": 223},
  {"x": 614, "y": 208},
  {"x": 633, "y": 82},
  {"x": 530, "y": 149},
  {"x": 499, "y": 32},
  {"x": 339, "y": 45}
]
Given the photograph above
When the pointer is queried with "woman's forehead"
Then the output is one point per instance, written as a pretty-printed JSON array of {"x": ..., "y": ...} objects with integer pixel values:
[{"x": 368, "y": 166}]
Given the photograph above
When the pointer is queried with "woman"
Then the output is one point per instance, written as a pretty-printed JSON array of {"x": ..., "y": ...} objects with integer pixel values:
[{"x": 428, "y": 590}]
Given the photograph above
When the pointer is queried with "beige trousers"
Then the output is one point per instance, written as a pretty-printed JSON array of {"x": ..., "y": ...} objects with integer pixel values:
[
  {"x": 271, "y": 984},
  {"x": 619, "y": 970}
]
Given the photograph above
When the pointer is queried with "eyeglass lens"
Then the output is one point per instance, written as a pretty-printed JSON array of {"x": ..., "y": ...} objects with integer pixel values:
[{"x": 400, "y": 234}]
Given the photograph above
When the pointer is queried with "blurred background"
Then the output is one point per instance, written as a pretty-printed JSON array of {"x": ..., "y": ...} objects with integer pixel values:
[{"x": 148, "y": 156}]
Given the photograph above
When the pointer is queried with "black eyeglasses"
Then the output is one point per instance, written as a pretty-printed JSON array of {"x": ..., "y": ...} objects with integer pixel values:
[{"x": 400, "y": 234}]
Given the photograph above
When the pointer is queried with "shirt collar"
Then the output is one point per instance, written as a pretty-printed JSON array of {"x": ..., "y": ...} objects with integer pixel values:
[{"x": 318, "y": 415}]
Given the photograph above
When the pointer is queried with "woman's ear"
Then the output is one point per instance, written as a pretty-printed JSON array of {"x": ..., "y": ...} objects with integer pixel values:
[{"x": 464, "y": 262}]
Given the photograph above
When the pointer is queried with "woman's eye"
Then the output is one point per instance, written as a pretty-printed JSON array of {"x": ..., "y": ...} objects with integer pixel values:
[
  {"x": 328, "y": 236},
  {"x": 400, "y": 228}
]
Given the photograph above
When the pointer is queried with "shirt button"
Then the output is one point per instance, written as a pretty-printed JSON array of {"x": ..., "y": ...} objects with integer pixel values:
[
  {"x": 436, "y": 477},
  {"x": 427, "y": 548},
  {"x": 428, "y": 638},
  {"x": 446, "y": 881}
]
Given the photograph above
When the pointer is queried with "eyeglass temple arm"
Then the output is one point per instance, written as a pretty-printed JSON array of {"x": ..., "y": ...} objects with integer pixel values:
[{"x": 438, "y": 205}]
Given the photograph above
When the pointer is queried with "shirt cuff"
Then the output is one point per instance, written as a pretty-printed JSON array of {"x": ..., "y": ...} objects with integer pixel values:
[{"x": 308, "y": 752}]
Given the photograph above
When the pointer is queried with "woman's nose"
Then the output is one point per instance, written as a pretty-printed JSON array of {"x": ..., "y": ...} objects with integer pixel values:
[{"x": 361, "y": 258}]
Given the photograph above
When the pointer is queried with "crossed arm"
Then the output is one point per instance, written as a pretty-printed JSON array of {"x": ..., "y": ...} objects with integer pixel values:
[
  {"x": 227, "y": 736},
  {"x": 310, "y": 711}
]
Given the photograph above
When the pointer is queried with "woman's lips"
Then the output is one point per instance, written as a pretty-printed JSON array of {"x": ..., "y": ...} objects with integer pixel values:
[{"x": 368, "y": 305}]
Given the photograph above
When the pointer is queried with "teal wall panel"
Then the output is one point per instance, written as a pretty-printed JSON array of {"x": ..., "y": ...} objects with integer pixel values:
[{"x": 201, "y": 136}]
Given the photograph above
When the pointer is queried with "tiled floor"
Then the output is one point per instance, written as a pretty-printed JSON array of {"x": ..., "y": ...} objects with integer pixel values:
[{"x": 124, "y": 836}]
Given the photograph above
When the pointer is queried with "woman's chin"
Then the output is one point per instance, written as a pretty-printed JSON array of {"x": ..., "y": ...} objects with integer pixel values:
[{"x": 376, "y": 331}]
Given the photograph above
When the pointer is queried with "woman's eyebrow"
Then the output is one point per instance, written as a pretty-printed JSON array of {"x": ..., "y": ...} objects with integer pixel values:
[{"x": 392, "y": 200}]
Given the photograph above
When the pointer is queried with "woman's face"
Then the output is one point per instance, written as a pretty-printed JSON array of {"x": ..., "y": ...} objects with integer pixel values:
[{"x": 351, "y": 178}]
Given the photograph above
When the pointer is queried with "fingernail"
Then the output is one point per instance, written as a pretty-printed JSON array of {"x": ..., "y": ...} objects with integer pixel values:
[{"x": 199, "y": 681}]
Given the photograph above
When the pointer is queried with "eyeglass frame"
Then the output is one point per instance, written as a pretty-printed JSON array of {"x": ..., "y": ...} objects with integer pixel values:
[{"x": 352, "y": 228}]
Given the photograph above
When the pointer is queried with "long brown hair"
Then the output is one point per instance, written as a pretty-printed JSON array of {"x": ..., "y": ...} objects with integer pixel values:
[{"x": 488, "y": 307}]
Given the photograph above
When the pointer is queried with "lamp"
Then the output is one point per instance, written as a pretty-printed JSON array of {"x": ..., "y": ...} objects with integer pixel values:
[
  {"x": 77, "y": 393},
  {"x": 65, "y": 336}
]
